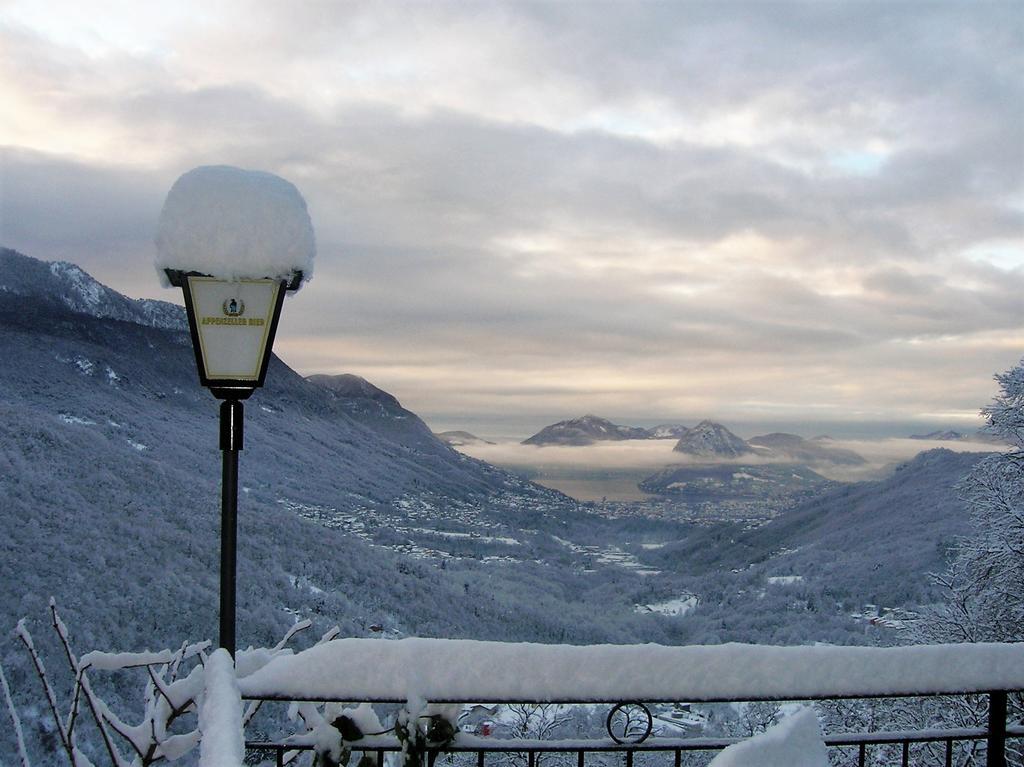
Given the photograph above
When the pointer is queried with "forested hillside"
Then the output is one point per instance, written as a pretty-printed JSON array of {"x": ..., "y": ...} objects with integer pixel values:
[{"x": 853, "y": 545}]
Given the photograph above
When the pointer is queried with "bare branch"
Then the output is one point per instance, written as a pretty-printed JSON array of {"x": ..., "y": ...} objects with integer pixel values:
[
  {"x": 15, "y": 719},
  {"x": 51, "y": 698},
  {"x": 295, "y": 629},
  {"x": 83, "y": 683},
  {"x": 250, "y": 712}
]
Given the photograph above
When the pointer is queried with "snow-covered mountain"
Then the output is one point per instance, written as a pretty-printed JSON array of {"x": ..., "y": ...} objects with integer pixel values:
[
  {"x": 584, "y": 430},
  {"x": 711, "y": 440},
  {"x": 589, "y": 429}
]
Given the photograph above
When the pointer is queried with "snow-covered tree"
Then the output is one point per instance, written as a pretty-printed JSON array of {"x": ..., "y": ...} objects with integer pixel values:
[
  {"x": 983, "y": 585},
  {"x": 985, "y": 582}
]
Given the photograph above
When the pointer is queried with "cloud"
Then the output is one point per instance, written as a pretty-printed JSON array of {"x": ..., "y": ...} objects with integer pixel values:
[{"x": 539, "y": 208}]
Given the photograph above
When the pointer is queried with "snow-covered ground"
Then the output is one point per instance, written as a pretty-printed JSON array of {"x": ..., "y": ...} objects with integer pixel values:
[
  {"x": 675, "y": 607},
  {"x": 795, "y": 742},
  {"x": 784, "y": 580},
  {"x": 608, "y": 555}
]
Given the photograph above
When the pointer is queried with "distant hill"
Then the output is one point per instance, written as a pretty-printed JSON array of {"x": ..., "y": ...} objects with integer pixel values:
[
  {"x": 945, "y": 435},
  {"x": 584, "y": 430},
  {"x": 711, "y": 440},
  {"x": 716, "y": 483},
  {"x": 950, "y": 435},
  {"x": 460, "y": 438},
  {"x": 707, "y": 440},
  {"x": 795, "y": 448}
]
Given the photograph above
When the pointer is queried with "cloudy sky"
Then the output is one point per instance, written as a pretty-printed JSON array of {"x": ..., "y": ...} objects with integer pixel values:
[{"x": 768, "y": 212}]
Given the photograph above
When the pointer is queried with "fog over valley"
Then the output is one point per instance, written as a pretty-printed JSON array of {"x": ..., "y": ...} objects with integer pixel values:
[{"x": 612, "y": 470}]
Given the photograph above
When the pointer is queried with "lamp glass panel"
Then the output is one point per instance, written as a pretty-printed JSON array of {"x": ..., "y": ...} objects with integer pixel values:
[{"x": 233, "y": 320}]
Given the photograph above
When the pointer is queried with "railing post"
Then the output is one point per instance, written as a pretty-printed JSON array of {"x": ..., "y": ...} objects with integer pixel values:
[{"x": 997, "y": 729}]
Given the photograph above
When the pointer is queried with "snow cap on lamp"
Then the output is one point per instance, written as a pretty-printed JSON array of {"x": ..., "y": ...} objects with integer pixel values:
[{"x": 234, "y": 224}]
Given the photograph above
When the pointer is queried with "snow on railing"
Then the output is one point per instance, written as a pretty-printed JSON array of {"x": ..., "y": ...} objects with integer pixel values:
[
  {"x": 202, "y": 695},
  {"x": 447, "y": 670},
  {"x": 220, "y": 715}
]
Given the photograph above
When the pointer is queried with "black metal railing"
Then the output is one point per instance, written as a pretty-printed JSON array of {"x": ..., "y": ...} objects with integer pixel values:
[{"x": 995, "y": 736}]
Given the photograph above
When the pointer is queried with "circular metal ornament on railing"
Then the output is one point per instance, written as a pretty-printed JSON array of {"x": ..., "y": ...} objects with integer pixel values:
[{"x": 629, "y": 723}]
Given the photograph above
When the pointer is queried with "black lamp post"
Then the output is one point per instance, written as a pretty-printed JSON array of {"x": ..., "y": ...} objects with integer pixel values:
[{"x": 233, "y": 324}]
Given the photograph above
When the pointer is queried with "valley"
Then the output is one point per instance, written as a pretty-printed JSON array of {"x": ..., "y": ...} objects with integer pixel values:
[{"x": 355, "y": 514}]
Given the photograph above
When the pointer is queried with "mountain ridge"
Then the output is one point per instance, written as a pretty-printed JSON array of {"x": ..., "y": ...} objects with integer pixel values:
[
  {"x": 584, "y": 430},
  {"x": 68, "y": 286}
]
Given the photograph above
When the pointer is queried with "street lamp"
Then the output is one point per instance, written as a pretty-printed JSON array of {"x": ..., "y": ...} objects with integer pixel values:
[
  {"x": 235, "y": 242},
  {"x": 233, "y": 324}
]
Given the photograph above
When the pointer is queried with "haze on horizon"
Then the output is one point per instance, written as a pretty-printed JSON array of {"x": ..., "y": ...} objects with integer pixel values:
[{"x": 786, "y": 213}]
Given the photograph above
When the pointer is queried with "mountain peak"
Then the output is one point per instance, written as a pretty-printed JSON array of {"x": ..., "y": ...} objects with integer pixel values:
[
  {"x": 711, "y": 439},
  {"x": 942, "y": 435}
]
